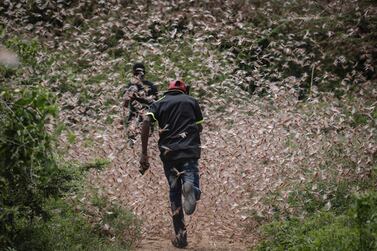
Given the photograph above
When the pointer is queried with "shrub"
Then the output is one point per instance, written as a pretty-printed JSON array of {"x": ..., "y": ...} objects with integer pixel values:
[
  {"x": 66, "y": 230},
  {"x": 323, "y": 231},
  {"x": 28, "y": 171},
  {"x": 34, "y": 211},
  {"x": 355, "y": 229},
  {"x": 366, "y": 216}
]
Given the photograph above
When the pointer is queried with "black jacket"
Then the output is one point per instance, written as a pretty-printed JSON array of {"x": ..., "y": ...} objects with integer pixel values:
[{"x": 178, "y": 117}]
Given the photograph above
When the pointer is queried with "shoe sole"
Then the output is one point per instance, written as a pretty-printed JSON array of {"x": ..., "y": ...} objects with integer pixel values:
[
  {"x": 189, "y": 202},
  {"x": 179, "y": 244}
]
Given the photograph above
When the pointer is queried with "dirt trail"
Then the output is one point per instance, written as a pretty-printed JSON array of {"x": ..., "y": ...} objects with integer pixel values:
[{"x": 203, "y": 245}]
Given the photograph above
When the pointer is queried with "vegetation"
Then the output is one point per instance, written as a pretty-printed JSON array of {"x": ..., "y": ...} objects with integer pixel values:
[
  {"x": 37, "y": 205},
  {"x": 331, "y": 207},
  {"x": 299, "y": 76},
  {"x": 354, "y": 229},
  {"x": 66, "y": 229},
  {"x": 29, "y": 174},
  {"x": 34, "y": 213}
]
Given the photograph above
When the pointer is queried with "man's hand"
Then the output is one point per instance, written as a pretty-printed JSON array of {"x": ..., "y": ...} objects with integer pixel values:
[
  {"x": 144, "y": 164},
  {"x": 130, "y": 95}
]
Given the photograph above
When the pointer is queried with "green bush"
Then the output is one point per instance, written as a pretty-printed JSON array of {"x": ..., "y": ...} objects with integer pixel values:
[
  {"x": 366, "y": 215},
  {"x": 323, "y": 231},
  {"x": 66, "y": 230},
  {"x": 34, "y": 211},
  {"x": 28, "y": 171},
  {"x": 356, "y": 229}
]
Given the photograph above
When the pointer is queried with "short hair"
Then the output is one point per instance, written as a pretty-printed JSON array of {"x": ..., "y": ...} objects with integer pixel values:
[{"x": 138, "y": 67}]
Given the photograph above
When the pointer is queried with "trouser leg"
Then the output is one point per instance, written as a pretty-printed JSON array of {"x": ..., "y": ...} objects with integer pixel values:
[
  {"x": 191, "y": 174},
  {"x": 175, "y": 196},
  {"x": 131, "y": 126}
]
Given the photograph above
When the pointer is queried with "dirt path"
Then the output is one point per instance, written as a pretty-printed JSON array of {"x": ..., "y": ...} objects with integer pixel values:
[{"x": 203, "y": 245}]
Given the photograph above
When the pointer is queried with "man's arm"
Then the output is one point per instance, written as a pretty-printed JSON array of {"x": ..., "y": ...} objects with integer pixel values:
[
  {"x": 144, "y": 163},
  {"x": 150, "y": 94},
  {"x": 145, "y": 135},
  {"x": 129, "y": 94}
]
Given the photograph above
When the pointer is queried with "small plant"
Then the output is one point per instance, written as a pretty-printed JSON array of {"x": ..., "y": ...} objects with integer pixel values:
[
  {"x": 97, "y": 200},
  {"x": 71, "y": 136},
  {"x": 360, "y": 119}
]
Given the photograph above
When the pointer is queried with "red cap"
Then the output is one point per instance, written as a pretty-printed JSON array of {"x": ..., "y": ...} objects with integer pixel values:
[{"x": 177, "y": 85}]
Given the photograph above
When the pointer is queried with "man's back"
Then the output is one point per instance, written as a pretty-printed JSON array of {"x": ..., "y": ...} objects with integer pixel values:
[{"x": 178, "y": 116}]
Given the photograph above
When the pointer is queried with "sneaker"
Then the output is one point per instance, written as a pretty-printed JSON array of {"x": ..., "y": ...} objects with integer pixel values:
[
  {"x": 189, "y": 198},
  {"x": 180, "y": 240}
]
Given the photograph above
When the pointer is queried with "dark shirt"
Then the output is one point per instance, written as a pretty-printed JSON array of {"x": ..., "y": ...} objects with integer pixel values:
[
  {"x": 148, "y": 89},
  {"x": 178, "y": 117}
]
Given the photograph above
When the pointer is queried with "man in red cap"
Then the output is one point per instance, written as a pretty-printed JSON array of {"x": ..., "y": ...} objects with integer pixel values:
[{"x": 179, "y": 118}]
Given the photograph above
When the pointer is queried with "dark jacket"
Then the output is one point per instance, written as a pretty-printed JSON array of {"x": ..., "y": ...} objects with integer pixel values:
[{"x": 178, "y": 116}]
